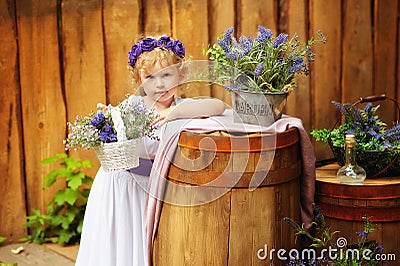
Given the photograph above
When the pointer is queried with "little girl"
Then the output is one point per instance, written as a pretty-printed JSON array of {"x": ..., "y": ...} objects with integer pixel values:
[{"x": 113, "y": 229}]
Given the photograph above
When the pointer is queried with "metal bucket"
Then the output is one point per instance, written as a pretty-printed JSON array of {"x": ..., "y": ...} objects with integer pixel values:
[{"x": 257, "y": 108}]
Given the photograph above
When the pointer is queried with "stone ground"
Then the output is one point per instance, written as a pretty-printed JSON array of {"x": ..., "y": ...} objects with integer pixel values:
[{"x": 35, "y": 254}]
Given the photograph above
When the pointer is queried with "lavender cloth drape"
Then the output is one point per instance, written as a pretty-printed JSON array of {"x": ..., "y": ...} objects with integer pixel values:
[{"x": 224, "y": 122}]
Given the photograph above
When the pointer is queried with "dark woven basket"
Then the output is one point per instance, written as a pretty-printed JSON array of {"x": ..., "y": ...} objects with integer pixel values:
[{"x": 376, "y": 163}]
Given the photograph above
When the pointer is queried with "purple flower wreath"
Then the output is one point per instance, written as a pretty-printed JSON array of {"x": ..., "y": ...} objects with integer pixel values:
[{"x": 149, "y": 44}]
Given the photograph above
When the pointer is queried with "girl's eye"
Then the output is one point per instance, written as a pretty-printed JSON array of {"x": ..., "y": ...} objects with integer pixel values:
[
  {"x": 149, "y": 77},
  {"x": 166, "y": 75}
]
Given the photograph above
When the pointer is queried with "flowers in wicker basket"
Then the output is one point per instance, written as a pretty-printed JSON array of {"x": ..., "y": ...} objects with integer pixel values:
[
  {"x": 90, "y": 131},
  {"x": 113, "y": 133}
]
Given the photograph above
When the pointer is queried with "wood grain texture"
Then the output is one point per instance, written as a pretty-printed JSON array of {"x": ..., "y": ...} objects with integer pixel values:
[
  {"x": 326, "y": 72},
  {"x": 398, "y": 59},
  {"x": 189, "y": 25},
  {"x": 345, "y": 205},
  {"x": 357, "y": 55},
  {"x": 385, "y": 30},
  {"x": 12, "y": 188},
  {"x": 157, "y": 17},
  {"x": 257, "y": 12},
  {"x": 221, "y": 17},
  {"x": 83, "y": 54},
  {"x": 241, "y": 221},
  {"x": 43, "y": 106},
  {"x": 193, "y": 235},
  {"x": 121, "y": 27},
  {"x": 297, "y": 24}
]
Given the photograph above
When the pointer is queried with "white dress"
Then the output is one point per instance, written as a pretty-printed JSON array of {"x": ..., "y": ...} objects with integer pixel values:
[{"x": 113, "y": 229}]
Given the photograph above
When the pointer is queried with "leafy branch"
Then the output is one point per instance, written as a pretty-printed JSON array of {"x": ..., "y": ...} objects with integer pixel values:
[{"x": 64, "y": 218}]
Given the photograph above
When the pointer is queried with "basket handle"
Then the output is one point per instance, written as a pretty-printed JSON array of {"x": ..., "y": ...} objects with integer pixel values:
[
  {"x": 375, "y": 98},
  {"x": 372, "y": 98},
  {"x": 118, "y": 123}
]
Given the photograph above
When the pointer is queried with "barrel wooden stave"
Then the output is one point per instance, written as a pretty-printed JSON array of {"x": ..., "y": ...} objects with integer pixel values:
[
  {"x": 231, "y": 229},
  {"x": 345, "y": 205}
]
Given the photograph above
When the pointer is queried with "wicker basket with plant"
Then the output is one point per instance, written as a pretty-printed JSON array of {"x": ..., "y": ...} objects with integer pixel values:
[{"x": 377, "y": 147}]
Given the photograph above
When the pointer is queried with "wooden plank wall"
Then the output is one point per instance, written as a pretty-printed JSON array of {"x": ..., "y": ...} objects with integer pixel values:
[{"x": 59, "y": 58}]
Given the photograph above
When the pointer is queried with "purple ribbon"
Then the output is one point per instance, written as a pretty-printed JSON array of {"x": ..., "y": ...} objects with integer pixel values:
[{"x": 144, "y": 167}]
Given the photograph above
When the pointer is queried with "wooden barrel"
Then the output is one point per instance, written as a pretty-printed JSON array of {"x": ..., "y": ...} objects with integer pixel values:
[
  {"x": 345, "y": 205},
  {"x": 236, "y": 226}
]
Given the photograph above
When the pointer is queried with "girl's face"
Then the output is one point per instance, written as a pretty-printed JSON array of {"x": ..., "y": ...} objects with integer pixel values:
[{"x": 160, "y": 84}]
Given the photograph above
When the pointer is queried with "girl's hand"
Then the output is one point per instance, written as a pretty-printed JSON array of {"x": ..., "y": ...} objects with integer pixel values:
[{"x": 164, "y": 116}]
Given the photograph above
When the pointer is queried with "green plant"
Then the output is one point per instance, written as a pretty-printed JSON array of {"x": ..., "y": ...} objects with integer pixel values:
[
  {"x": 370, "y": 132},
  {"x": 2, "y": 239},
  {"x": 64, "y": 218},
  {"x": 335, "y": 251},
  {"x": 377, "y": 148},
  {"x": 271, "y": 63}
]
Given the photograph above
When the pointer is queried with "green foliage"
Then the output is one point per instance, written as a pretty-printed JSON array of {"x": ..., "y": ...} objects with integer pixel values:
[
  {"x": 370, "y": 132},
  {"x": 2, "y": 239},
  {"x": 64, "y": 218}
]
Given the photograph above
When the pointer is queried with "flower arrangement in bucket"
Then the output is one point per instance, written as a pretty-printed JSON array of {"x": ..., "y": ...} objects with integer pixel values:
[
  {"x": 377, "y": 147},
  {"x": 266, "y": 65},
  {"x": 113, "y": 133}
]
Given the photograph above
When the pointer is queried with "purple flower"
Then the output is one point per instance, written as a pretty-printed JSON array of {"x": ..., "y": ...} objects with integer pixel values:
[
  {"x": 224, "y": 45},
  {"x": 108, "y": 127},
  {"x": 259, "y": 69},
  {"x": 263, "y": 35},
  {"x": 148, "y": 44},
  {"x": 226, "y": 41},
  {"x": 98, "y": 120},
  {"x": 368, "y": 107},
  {"x": 107, "y": 137},
  {"x": 310, "y": 54},
  {"x": 164, "y": 41},
  {"x": 298, "y": 64},
  {"x": 246, "y": 44},
  {"x": 178, "y": 48},
  {"x": 228, "y": 33},
  {"x": 282, "y": 38},
  {"x": 339, "y": 106},
  {"x": 136, "y": 50},
  {"x": 361, "y": 234},
  {"x": 232, "y": 55}
]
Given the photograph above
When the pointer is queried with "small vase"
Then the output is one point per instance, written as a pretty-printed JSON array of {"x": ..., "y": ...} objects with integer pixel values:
[{"x": 257, "y": 107}]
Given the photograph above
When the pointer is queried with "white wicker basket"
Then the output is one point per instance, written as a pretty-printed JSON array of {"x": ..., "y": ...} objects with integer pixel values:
[{"x": 120, "y": 155}]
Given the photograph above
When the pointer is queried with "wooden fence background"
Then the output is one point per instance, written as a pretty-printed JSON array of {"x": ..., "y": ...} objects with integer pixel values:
[{"x": 59, "y": 58}]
